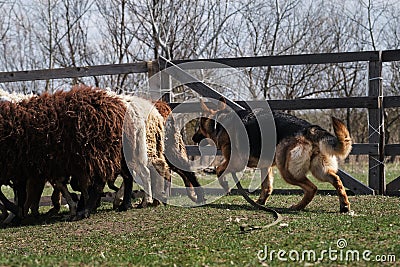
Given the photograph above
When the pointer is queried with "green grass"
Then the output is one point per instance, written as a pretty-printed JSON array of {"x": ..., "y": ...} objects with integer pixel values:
[
  {"x": 204, "y": 236},
  {"x": 209, "y": 235}
]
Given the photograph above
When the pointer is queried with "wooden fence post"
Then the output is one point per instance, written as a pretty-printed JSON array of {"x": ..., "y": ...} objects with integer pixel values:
[
  {"x": 376, "y": 129},
  {"x": 160, "y": 85},
  {"x": 166, "y": 89},
  {"x": 154, "y": 81},
  {"x": 166, "y": 85}
]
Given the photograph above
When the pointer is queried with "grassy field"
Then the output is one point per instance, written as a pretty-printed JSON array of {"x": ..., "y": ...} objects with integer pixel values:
[{"x": 210, "y": 236}]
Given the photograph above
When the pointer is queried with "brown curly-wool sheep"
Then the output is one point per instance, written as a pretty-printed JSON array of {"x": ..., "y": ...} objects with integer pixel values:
[{"x": 76, "y": 133}]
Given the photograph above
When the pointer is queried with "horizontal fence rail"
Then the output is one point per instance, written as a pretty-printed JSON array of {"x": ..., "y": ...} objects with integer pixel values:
[
  {"x": 358, "y": 149},
  {"x": 294, "y": 104},
  {"x": 324, "y": 58},
  {"x": 264, "y": 61},
  {"x": 392, "y": 149},
  {"x": 142, "y": 67},
  {"x": 73, "y": 72},
  {"x": 391, "y": 101}
]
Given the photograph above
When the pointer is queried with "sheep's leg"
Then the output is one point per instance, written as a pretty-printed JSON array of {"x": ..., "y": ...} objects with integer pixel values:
[
  {"x": 148, "y": 199},
  {"x": 59, "y": 185},
  {"x": 166, "y": 186},
  {"x": 119, "y": 196},
  {"x": 94, "y": 194},
  {"x": 193, "y": 188},
  {"x": 83, "y": 205},
  {"x": 120, "y": 200},
  {"x": 56, "y": 201},
  {"x": 157, "y": 187},
  {"x": 34, "y": 190},
  {"x": 112, "y": 186},
  {"x": 8, "y": 205},
  {"x": 127, "y": 201},
  {"x": 17, "y": 208},
  {"x": 4, "y": 212},
  {"x": 20, "y": 193},
  {"x": 160, "y": 175},
  {"x": 126, "y": 189}
]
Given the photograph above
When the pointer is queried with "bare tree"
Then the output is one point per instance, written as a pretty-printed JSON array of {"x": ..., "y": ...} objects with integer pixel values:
[
  {"x": 19, "y": 49},
  {"x": 182, "y": 28},
  {"x": 54, "y": 33},
  {"x": 120, "y": 44},
  {"x": 60, "y": 30},
  {"x": 4, "y": 20},
  {"x": 390, "y": 39}
]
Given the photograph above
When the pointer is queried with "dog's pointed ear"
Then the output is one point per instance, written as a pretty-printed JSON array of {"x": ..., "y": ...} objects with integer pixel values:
[
  {"x": 222, "y": 103},
  {"x": 204, "y": 107}
]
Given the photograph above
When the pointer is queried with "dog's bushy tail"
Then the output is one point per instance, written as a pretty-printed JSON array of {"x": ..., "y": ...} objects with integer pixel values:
[{"x": 338, "y": 145}]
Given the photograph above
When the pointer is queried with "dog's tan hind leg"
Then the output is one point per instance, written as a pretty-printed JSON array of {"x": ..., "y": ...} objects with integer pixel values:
[
  {"x": 309, "y": 192},
  {"x": 266, "y": 185},
  {"x": 334, "y": 179},
  {"x": 325, "y": 171},
  {"x": 308, "y": 187}
]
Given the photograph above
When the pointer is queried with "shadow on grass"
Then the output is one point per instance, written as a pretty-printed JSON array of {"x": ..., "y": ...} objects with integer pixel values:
[
  {"x": 280, "y": 210},
  {"x": 45, "y": 219},
  {"x": 63, "y": 216}
]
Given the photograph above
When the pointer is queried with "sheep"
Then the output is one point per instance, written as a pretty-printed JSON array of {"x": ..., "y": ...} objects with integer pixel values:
[
  {"x": 16, "y": 98},
  {"x": 33, "y": 202},
  {"x": 136, "y": 161},
  {"x": 176, "y": 154},
  {"x": 13, "y": 97},
  {"x": 10, "y": 129},
  {"x": 155, "y": 151},
  {"x": 76, "y": 133}
]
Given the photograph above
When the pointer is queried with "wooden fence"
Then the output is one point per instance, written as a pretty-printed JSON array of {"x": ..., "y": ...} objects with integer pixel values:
[{"x": 374, "y": 101}]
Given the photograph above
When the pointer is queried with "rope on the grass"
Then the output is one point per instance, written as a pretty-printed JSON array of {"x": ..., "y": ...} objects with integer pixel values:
[{"x": 246, "y": 227}]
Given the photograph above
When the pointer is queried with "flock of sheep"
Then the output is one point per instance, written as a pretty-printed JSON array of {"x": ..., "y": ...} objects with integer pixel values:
[{"x": 87, "y": 137}]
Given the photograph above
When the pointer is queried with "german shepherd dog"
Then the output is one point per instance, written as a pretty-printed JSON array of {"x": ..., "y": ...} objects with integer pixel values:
[{"x": 300, "y": 147}]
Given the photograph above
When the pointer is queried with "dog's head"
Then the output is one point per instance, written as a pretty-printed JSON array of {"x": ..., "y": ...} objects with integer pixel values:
[{"x": 207, "y": 125}]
